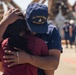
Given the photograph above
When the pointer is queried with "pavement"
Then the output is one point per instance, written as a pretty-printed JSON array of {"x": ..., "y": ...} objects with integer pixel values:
[
  {"x": 67, "y": 65},
  {"x": 0, "y": 73}
]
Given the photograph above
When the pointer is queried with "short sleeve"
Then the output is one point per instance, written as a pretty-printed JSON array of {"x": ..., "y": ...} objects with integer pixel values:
[{"x": 55, "y": 40}]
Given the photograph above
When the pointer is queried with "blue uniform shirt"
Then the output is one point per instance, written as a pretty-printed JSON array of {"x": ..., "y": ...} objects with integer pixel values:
[{"x": 52, "y": 38}]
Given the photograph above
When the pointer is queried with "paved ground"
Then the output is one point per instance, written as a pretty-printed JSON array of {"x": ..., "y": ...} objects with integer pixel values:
[
  {"x": 67, "y": 64},
  {"x": 0, "y": 73}
]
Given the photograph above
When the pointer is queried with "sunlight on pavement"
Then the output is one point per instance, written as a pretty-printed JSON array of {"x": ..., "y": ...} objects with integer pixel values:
[
  {"x": 0, "y": 73},
  {"x": 67, "y": 65}
]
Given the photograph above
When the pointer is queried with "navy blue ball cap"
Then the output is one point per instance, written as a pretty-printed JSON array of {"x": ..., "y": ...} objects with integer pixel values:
[{"x": 36, "y": 17}]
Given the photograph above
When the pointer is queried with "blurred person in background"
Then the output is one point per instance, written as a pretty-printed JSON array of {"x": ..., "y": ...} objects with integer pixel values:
[
  {"x": 72, "y": 32},
  {"x": 65, "y": 33}
]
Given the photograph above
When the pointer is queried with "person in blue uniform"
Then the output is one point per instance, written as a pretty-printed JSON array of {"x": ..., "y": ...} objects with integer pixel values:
[
  {"x": 72, "y": 32},
  {"x": 66, "y": 33}
]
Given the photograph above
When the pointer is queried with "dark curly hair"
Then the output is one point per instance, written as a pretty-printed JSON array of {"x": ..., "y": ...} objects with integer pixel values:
[
  {"x": 15, "y": 28},
  {"x": 15, "y": 40}
]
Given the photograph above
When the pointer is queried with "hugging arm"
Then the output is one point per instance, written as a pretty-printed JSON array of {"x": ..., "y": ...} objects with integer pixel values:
[{"x": 40, "y": 61}]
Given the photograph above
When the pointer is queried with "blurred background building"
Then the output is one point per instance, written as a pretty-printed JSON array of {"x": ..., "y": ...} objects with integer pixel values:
[{"x": 59, "y": 11}]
